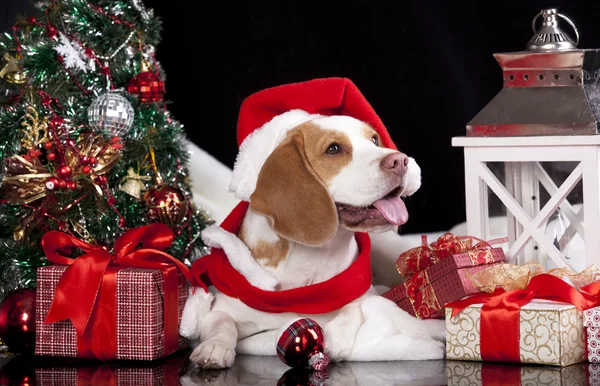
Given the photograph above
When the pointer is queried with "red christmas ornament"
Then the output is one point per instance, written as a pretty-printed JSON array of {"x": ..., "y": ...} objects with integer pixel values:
[
  {"x": 71, "y": 185},
  {"x": 17, "y": 321},
  {"x": 86, "y": 170},
  {"x": 166, "y": 204},
  {"x": 147, "y": 86},
  {"x": 65, "y": 171},
  {"x": 51, "y": 156},
  {"x": 52, "y": 183},
  {"x": 301, "y": 345},
  {"x": 48, "y": 145},
  {"x": 62, "y": 184}
]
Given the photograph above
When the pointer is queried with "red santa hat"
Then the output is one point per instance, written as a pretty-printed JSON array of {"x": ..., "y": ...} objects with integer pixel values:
[{"x": 266, "y": 116}]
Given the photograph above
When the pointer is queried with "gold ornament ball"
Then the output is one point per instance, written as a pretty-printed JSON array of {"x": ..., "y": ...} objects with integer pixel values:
[{"x": 166, "y": 204}]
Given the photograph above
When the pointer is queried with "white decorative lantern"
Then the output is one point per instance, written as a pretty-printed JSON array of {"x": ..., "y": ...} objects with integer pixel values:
[{"x": 547, "y": 112}]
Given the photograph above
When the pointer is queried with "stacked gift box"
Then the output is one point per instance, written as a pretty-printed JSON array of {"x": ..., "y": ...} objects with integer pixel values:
[
  {"x": 527, "y": 315},
  {"x": 439, "y": 273},
  {"x": 499, "y": 312}
]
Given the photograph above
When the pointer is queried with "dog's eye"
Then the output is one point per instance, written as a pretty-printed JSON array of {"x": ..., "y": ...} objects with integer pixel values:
[
  {"x": 334, "y": 148},
  {"x": 375, "y": 140}
]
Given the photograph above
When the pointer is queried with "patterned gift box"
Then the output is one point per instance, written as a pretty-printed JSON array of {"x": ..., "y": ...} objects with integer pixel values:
[
  {"x": 482, "y": 374},
  {"x": 140, "y": 322},
  {"x": 550, "y": 333},
  {"x": 164, "y": 372},
  {"x": 591, "y": 320},
  {"x": 425, "y": 293}
]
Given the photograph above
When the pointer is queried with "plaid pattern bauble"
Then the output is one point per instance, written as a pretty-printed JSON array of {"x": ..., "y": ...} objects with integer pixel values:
[
  {"x": 140, "y": 315},
  {"x": 301, "y": 345}
]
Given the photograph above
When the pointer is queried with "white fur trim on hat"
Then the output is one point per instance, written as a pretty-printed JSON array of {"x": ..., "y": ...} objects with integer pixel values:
[
  {"x": 257, "y": 146},
  {"x": 239, "y": 256}
]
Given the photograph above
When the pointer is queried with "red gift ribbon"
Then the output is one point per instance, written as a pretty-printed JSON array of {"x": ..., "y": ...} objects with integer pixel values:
[
  {"x": 87, "y": 291},
  {"x": 420, "y": 258},
  {"x": 500, "y": 313}
]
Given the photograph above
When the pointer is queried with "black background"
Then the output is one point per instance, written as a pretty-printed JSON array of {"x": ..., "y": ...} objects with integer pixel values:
[{"x": 426, "y": 67}]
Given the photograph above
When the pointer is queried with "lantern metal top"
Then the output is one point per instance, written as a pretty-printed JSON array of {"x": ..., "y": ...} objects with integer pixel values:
[
  {"x": 550, "y": 37},
  {"x": 552, "y": 88}
]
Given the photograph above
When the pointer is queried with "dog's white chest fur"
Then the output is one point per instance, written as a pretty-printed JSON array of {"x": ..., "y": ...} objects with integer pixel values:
[{"x": 303, "y": 265}]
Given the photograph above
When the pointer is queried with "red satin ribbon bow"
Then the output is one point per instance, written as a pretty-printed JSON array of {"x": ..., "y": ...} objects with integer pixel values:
[
  {"x": 420, "y": 258},
  {"x": 500, "y": 313},
  {"x": 78, "y": 288}
]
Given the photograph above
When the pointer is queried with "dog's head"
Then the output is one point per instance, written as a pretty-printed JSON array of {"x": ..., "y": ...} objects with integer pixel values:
[{"x": 331, "y": 172}]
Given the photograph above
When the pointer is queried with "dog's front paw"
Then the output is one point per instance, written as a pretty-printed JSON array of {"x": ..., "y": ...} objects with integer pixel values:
[{"x": 212, "y": 354}]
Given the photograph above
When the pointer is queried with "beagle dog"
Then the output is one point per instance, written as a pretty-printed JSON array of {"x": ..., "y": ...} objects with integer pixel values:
[{"x": 326, "y": 180}]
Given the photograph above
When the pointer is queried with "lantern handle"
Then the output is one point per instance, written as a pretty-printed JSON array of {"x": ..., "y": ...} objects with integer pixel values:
[{"x": 560, "y": 15}]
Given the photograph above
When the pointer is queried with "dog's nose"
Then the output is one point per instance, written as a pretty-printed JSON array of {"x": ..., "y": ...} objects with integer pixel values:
[{"x": 395, "y": 162}]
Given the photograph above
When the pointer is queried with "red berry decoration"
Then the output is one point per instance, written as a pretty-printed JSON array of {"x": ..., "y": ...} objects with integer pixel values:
[
  {"x": 65, "y": 171},
  {"x": 147, "y": 86},
  {"x": 71, "y": 185},
  {"x": 92, "y": 161},
  {"x": 51, "y": 156},
  {"x": 52, "y": 183},
  {"x": 166, "y": 204},
  {"x": 301, "y": 345},
  {"x": 62, "y": 184},
  {"x": 48, "y": 145},
  {"x": 17, "y": 321},
  {"x": 86, "y": 170},
  {"x": 51, "y": 31}
]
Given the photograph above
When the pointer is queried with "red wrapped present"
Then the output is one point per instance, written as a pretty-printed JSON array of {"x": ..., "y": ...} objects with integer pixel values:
[
  {"x": 121, "y": 305},
  {"x": 440, "y": 273}
]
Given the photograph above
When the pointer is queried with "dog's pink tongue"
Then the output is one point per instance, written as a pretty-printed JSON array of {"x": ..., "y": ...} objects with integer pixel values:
[{"x": 392, "y": 209}]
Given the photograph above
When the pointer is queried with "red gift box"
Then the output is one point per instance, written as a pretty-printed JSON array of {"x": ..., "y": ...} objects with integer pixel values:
[
  {"x": 442, "y": 280},
  {"x": 125, "y": 305}
]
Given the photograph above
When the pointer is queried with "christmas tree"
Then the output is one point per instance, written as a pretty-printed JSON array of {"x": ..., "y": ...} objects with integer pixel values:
[{"x": 89, "y": 147}]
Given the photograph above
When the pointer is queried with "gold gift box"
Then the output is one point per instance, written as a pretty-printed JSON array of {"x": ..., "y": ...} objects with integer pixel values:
[
  {"x": 551, "y": 333},
  {"x": 482, "y": 374}
]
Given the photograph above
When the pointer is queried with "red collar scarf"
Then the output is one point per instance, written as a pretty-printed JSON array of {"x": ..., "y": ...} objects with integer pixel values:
[{"x": 319, "y": 298}]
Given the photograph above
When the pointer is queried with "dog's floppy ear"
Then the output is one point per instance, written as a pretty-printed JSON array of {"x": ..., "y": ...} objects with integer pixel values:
[{"x": 293, "y": 197}]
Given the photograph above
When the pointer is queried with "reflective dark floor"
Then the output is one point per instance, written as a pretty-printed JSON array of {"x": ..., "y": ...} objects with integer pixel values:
[{"x": 258, "y": 371}]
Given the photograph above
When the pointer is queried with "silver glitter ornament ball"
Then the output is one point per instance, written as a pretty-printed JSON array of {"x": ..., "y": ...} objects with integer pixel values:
[{"x": 111, "y": 113}]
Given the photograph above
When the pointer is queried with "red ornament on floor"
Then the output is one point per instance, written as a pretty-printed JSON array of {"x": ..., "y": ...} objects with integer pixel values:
[
  {"x": 147, "y": 86},
  {"x": 17, "y": 321},
  {"x": 301, "y": 345}
]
